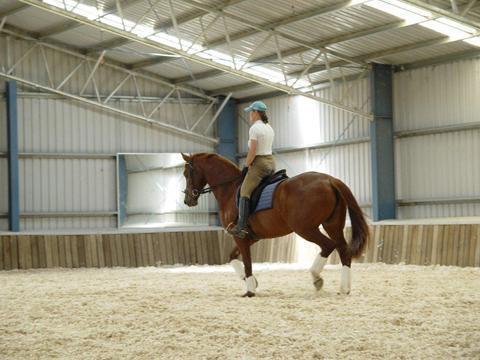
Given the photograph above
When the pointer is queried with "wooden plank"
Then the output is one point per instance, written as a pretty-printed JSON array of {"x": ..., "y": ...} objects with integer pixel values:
[
  {"x": 49, "y": 251},
  {"x": 434, "y": 253},
  {"x": 199, "y": 246},
  {"x": 122, "y": 240},
  {"x": 156, "y": 249},
  {"x": 14, "y": 251},
  {"x": 119, "y": 250},
  {"x": 2, "y": 264},
  {"x": 82, "y": 257},
  {"x": 34, "y": 252},
  {"x": 69, "y": 252},
  {"x": 459, "y": 261},
  {"x": 59, "y": 256},
  {"x": 194, "y": 250},
  {"x": 169, "y": 252},
  {"x": 116, "y": 249},
  {"x": 427, "y": 259},
  {"x": 138, "y": 250},
  {"x": 107, "y": 251},
  {"x": 466, "y": 246},
  {"x": 144, "y": 246},
  {"x": 150, "y": 252},
  {"x": 378, "y": 243},
  {"x": 100, "y": 253},
  {"x": 453, "y": 249},
  {"x": 473, "y": 241},
  {"x": 54, "y": 248},
  {"x": 132, "y": 258},
  {"x": 74, "y": 250},
  {"x": 405, "y": 237},
  {"x": 204, "y": 245},
  {"x": 42, "y": 252},
  {"x": 185, "y": 246},
  {"x": 88, "y": 251},
  {"x": 24, "y": 252},
  {"x": 444, "y": 244},
  {"x": 93, "y": 250},
  {"x": 217, "y": 260},
  {"x": 7, "y": 253},
  {"x": 164, "y": 249},
  {"x": 477, "y": 247}
]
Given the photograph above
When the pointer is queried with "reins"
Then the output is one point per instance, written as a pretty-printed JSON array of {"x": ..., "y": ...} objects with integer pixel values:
[{"x": 210, "y": 188}]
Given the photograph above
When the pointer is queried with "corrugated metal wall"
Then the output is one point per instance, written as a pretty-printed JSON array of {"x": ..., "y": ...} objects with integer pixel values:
[
  {"x": 300, "y": 122},
  {"x": 438, "y": 166},
  {"x": 52, "y": 125}
]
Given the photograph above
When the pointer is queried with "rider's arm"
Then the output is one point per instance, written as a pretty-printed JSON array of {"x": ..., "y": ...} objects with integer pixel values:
[{"x": 252, "y": 151}]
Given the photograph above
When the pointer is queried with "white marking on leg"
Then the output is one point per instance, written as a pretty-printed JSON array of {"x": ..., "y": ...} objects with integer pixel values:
[
  {"x": 346, "y": 281},
  {"x": 238, "y": 267},
  {"x": 251, "y": 283},
  {"x": 317, "y": 266}
]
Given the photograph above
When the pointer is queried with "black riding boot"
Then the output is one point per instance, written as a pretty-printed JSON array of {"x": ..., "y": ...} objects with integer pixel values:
[{"x": 240, "y": 230}]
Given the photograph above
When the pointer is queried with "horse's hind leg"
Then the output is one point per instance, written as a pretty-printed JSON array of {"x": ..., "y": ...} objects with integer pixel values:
[
  {"x": 326, "y": 245},
  {"x": 336, "y": 233}
]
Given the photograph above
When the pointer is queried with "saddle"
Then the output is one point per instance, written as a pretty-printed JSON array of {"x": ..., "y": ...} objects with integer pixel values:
[{"x": 259, "y": 202}]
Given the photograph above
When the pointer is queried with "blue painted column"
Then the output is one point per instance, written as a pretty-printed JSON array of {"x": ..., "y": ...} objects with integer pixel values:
[
  {"x": 382, "y": 143},
  {"x": 227, "y": 131},
  {"x": 12, "y": 136},
  {"x": 122, "y": 189}
]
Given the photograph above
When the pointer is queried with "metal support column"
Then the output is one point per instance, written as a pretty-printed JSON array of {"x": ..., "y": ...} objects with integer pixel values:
[
  {"x": 382, "y": 143},
  {"x": 122, "y": 189},
  {"x": 227, "y": 131},
  {"x": 12, "y": 135}
]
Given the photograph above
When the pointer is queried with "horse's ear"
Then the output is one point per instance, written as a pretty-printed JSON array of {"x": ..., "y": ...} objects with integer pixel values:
[{"x": 186, "y": 157}]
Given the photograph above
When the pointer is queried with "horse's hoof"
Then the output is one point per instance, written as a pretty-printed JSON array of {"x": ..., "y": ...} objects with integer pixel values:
[
  {"x": 248, "y": 294},
  {"x": 318, "y": 283},
  {"x": 343, "y": 293}
]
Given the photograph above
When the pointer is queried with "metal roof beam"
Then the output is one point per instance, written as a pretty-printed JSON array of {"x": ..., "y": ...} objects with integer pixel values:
[
  {"x": 441, "y": 12},
  {"x": 192, "y": 57},
  {"x": 69, "y": 25},
  {"x": 267, "y": 28},
  {"x": 295, "y": 50},
  {"x": 168, "y": 24},
  {"x": 366, "y": 57},
  {"x": 11, "y": 30},
  {"x": 282, "y": 22},
  {"x": 14, "y": 10}
]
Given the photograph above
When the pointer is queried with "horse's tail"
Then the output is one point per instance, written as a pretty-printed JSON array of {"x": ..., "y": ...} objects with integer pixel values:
[{"x": 360, "y": 232}]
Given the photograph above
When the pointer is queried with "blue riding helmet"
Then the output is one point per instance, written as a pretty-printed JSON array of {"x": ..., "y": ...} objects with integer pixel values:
[{"x": 256, "y": 105}]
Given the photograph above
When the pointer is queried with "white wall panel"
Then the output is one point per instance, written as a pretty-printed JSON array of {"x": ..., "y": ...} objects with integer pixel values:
[
  {"x": 67, "y": 185},
  {"x": 438, "y": 95},
  {"x": 441, "y": 166},
  {"x": 438, "y": 166},
  {"x": 300, "y": 121},
  {"x": 49, "y": 125}
]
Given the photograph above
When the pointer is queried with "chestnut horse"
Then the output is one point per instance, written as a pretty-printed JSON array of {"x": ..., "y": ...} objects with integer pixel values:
[{"x": 301, "y": 204}]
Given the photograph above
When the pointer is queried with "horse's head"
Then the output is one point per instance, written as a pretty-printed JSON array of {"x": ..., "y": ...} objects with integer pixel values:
[{"x": 194, "y": 179}]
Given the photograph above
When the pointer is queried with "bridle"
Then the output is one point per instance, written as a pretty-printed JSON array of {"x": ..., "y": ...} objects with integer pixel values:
[{"x": 195, "y": 193}]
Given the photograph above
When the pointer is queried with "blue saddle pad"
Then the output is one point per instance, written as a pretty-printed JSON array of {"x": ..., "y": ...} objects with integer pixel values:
[{"x": 265, "y": 201}]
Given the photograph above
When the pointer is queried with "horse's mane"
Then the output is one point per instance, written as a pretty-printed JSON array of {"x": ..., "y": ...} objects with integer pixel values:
[{"x": 212, "y": 156}]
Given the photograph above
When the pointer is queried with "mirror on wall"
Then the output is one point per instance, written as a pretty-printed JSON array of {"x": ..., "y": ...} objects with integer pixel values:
[{"x": 150, "y": 193}]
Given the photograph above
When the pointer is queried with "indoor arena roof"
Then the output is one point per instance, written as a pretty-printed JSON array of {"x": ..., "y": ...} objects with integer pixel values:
[{"x": 253, "y": 47}]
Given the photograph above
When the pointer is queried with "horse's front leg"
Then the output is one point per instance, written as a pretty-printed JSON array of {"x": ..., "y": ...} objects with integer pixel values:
[{"x": 250, "y": 281}]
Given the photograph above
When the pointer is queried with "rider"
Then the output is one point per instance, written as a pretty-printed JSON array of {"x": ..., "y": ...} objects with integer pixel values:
[{"x": 260, "y": 161}]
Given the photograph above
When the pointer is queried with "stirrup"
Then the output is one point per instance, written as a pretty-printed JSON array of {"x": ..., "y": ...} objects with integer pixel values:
[{"x": 233, "y": 230}]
